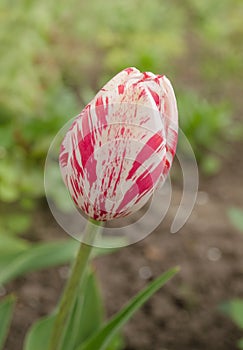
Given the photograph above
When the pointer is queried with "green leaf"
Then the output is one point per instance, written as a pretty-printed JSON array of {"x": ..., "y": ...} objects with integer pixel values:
[
  {"x": 86, "y": 319},
  {"x": 210, "y": 164},
  {"x": 236, "y": 217},
  {"x": 40, "y": 256},
  {"x": 6, "y": 310},
  {"x": 87, "y": 316},
  {"x": 240, "y": 343},
  {"x": 117, "y": 343},
  {"x": 10, "y": 249},
  {"x": 10, "y": 244},
  {"x": 39, "y": 334},
  {"x": 13, "y": 223},
  {"x": 18, "y": 223},
  {"x": 102, "y": 338},
  {"x": 92, "y": 312},
  {"x": 234, "y": 309}
]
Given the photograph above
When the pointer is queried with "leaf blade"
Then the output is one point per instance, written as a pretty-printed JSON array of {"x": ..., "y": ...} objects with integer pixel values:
[
  {"x": 234, "y": 309},
  {"x": 6, "y": 310},
  {"x": 39, "y": 334},
  {"x": 39, "y": 256},
  {"x": 43, "y": 255},
  {"x": 236, "y": 217},
  {"x": 88, "y": 314},
  {"x": 102, "y": 338}
]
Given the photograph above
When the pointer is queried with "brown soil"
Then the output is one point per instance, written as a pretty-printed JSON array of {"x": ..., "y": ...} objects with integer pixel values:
[{"x": 184, "y": 314}]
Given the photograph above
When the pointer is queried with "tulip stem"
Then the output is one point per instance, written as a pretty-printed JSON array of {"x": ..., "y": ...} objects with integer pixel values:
[{"x": 73, "y": 284}]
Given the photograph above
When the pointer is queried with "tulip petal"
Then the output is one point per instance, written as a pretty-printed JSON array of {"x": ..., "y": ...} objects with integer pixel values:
[{"x": 121, "y": 146}]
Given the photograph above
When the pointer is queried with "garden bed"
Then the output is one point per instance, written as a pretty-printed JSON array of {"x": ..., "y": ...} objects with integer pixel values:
[{"x": 184, "y": 314}]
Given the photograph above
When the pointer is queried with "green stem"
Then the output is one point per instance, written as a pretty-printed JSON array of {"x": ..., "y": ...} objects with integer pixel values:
[{"x": 73, "y": 285}]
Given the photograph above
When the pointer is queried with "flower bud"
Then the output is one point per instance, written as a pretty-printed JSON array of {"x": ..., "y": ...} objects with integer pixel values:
[{"x": 120, "y": 148}]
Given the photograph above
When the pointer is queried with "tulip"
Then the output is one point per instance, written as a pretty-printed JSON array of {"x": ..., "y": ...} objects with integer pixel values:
[{"x": 120, "y": 148}]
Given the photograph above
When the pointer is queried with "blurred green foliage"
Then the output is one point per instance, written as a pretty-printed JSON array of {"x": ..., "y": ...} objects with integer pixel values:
[
  {"x": 234, "y": 307},
  {"x": 6, "y": 311},
  {"x": 207, "y": 127},
  {"x": 54, "y": 57},
  {"x": 217, "y": 26},
  {"x": 236, "y": 217}
]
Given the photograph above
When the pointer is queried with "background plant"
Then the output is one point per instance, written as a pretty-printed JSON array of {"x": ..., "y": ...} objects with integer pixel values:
[
  {"x": 54, "y": 58},
  {"x": 85, "y": 328},
  {"x": 234, "y": 308}
]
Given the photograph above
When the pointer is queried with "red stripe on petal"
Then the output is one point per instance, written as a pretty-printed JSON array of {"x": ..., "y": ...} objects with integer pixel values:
[
  {"x": 86, "y": 149},
  {"x": 63, "y": 159},
  {"x": 129, "y": 70},
  {"x": 145, "y": 183},
  {"x": 151, "y": 179},
  {"x": 148, "y": 149},
  {"x": 75, "y": 164},
  {"x": 155, "y": 97},
  {"x": 172, "y": 137},
  {"x": 75, "y": 201},
  {"x": 158, "y": 77},
  {"x": 101, "y": 110},
  {"x": 142, "y": 93},
  {"x": 146, "y": 76},
  {"x": 75, "y": 193},
  {"x": 142, "y": 185},
  {"x": 121, "y": 89}
]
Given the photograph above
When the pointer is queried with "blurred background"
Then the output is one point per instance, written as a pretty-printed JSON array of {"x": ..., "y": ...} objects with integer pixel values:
[{"x": 54, "y": 57}]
